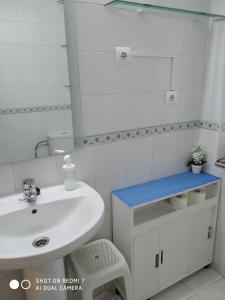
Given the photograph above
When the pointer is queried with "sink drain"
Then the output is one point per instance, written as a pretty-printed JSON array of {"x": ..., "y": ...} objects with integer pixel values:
[{"x": 40, "y": 242}]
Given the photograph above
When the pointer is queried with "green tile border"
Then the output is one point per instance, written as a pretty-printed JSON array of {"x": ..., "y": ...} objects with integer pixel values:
[
  {"x": 32, "y": 109},
  {"x": 138, "y": 133},
  {"x": 211, "y": 125},
  {"x": 107, "y": 138},
  {"x": 129, "y": 134}
]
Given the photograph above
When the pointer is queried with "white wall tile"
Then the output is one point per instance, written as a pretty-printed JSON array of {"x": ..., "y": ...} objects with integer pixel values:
[
  {"x": 185, "y": 143},
  {"x": 84, "y": 70},
  {"x": 57, "y": 76},
  {"x": 54, "y": 56},
  {"x": 7, "y": 184},
  {"x": 10, "y": 55},
  {"x": 107, "y": 37},
  {"x": 138, "y": 176},
  {"x": 138, "y": 153},
  {"x": 8, "y": 10},
  {"x": 167, "y": 33},
  {"x": 15, "y": 97},
  {"x": 147, "y": 32},
  {"x": 137, "y": 31},
  {"x": 106, "y": 186},
  {"x": 164, "y": 148},
  {"x": 27, "y": 10},
  {"x": 140, "y": 109},
  {"x": 192, "y": 72},
  {"x": 82, "y": 25},
  {"x": 163, "y": 73},
  {"x": 52, "y": 34},
  {"x": 49, "y": 11},
  {"x": 30, "y": 33},
  {"x": 35, "y": 76},
  {"x": 13, "y": 76},
  {"x": 196, "y": 34},
  {"x": 32, "y": 55},
  {"x": 55, "y": 95},
  {"x": 107, "y": 113},
  {"x": 44, "y": 172},
  {"x": 9, "y": 32},
  {"x": 108, "y": 160},
  {"x": 106, "y": 76},
  {"x": 189, "y": 105},
  {"x": 105, "y": 231},
  {"x": 141, "y": 74},
  {"x": 87, "y": 115},
  {"x": 163, "y": 169}
]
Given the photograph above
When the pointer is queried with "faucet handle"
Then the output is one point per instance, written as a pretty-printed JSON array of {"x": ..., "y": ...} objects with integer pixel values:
[
  {"x": 29, "y": 182},
  {"x": 30, "y": 186},
  {"x": 30, "y": 190},
  {"x": 38, "y": 190}
]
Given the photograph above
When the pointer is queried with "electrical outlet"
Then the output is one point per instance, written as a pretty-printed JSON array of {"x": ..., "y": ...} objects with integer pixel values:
[
  {"x": 171, "y": 97},
  {"x": 123, "y": 55}
]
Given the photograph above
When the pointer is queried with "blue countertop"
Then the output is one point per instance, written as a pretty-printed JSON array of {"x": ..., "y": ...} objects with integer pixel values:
[{"x": 163, "y": 187}]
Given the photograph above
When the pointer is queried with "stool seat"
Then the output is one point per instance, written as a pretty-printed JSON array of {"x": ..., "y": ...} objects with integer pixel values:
[
  {"x": 94, "y": 257},
  {"x": 98, "y": 263}
]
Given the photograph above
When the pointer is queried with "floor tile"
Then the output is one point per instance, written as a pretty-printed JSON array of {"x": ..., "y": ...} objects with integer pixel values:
[
  {"x": 201, "y": 280},
  {"x": 215, "y": 292},
  {"x": 107, "y": 296},
  {"x": 177, "y": 292}
]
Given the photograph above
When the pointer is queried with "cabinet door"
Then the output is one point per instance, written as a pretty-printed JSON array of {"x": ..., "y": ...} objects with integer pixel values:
[
  {"x": 145, "y": 272},
  {"x": 173, "y": 254},
  {"x": 199, "y": 241}
]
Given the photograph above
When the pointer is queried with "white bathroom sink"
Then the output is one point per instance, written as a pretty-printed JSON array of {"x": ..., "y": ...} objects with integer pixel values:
[{"x": 64, "y": 219}]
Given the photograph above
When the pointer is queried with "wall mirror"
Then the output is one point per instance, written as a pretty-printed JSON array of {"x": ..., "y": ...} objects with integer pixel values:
[{"x": 35, "y": 98}]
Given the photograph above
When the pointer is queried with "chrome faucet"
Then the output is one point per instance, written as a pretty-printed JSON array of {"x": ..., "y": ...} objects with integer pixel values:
[{"x": 30, "y": 190}]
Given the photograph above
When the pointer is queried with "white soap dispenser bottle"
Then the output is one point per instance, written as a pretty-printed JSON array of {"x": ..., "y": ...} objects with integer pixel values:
[{"x": 69, "y": 174}]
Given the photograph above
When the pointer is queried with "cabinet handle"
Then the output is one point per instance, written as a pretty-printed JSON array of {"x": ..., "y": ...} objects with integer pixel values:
[
  {"x": 157, "y": 260},
  {"x": 162, "y": 257},
  {"x": 210, "y": 232}
]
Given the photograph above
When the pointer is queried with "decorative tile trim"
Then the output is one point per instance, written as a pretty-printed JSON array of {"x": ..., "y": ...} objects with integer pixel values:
[
  {"x": 138, "y": 133},
  {"x": 211, "y": 125},
  {"x": 124, "y": 134},
  {"x": 32, "y": 109}
]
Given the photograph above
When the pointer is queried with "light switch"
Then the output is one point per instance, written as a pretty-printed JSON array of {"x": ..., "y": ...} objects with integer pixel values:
[{"x": 123, "y": 55}]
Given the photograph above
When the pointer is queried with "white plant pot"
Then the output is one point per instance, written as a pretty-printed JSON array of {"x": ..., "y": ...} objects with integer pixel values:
[{"x": 196, "y": 169}]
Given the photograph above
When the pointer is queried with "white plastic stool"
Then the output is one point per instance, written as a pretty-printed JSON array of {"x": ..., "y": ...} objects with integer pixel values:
[{"x": 100, "y": 262}]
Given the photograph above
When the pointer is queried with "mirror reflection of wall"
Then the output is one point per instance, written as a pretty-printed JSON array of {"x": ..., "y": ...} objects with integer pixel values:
[{"x": 34, "y": 84}]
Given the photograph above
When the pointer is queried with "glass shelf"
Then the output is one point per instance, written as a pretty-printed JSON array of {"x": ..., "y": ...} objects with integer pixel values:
[{"x": 136, "y": 5}]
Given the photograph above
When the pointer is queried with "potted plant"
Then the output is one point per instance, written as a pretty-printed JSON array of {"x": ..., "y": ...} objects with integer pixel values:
[{"x": 198, "y": 158}]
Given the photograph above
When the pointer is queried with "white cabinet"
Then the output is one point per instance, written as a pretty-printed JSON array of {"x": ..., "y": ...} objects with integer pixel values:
[
  {"x": 174, "y": 252},
  {"x": 146, "y": 258},
  {"x": 200, "y": 237},
  {"x": 163, "y": 245},
  {"x": 159, "y": 259}
]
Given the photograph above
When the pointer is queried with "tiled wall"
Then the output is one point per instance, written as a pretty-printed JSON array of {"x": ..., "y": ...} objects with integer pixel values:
[
  {"x": 119, "y": 98},
  {"x": 33, "y": 72}
]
